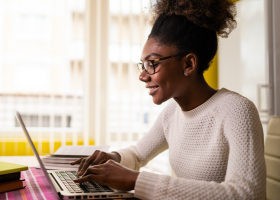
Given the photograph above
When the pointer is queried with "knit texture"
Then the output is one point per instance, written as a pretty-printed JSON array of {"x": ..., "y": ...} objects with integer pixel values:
[{"x": 216, "y": 151}]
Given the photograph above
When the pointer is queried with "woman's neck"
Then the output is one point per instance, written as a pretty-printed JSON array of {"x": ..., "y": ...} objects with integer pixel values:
[{"x": 196, "y": 95}]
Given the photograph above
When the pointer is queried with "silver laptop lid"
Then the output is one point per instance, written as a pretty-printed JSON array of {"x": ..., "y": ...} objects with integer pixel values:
[{"x": 20, "y": 121}]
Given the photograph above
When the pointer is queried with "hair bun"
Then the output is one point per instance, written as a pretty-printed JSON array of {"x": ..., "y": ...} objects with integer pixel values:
[{"x": 216, "y": 15}]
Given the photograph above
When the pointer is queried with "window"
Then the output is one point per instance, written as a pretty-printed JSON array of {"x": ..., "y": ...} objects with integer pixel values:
[
  {"x": 34, "y": 120},
  {"x": 63, "y": 96},
  {"x": 41, "y": 72},
  {"x": 33, "y": 27}
]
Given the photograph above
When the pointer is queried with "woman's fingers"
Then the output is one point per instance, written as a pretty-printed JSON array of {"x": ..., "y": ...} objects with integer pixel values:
[
  {"x": 91, "y": 174},
  {"x": 93, "y": 170},
  {"x": 76, "y": 161},
  {"x": 87, "y": 162},
  {"x": 81, "y": 165},
  {"x": 100, "y": 159},
  {"x": 111, "y": 174},
  {"x": 88, "y": 178}
]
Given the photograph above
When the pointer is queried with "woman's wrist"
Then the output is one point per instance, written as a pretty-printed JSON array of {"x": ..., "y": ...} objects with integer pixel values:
[
  {"x": 134, "y": 177},
  {"x": 117, "y": 156}
]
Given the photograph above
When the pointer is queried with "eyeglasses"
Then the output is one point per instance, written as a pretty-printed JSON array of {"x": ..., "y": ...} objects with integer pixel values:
[{"x": 150, "y": 65}]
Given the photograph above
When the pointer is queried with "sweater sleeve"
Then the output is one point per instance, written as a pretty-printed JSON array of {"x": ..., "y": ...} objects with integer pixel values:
[
  {"x": 149, "y": 146},
  {"x": 245, "y": 177}
]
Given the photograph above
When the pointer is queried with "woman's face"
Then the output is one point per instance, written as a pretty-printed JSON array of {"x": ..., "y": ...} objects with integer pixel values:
[{"x": 169, "y": 79}]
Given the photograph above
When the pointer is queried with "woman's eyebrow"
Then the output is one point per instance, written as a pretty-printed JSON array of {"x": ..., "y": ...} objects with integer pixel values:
[{"x": 152, "y": 54}]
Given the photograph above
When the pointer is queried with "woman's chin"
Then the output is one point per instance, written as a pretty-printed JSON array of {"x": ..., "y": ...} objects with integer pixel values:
[{"x": 158, "y": 101}]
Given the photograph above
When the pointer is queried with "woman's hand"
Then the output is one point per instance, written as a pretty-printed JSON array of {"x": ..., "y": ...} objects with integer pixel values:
[
  {"x": 96, "y": 158},
  {"x": 111, "y": 174}
]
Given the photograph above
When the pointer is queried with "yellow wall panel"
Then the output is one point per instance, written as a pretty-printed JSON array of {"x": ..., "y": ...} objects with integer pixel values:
[
  {"x": 57, "y": 144},
  {"x": 20, "y": 147},
  {"x": 10, "y": 148},
  {"x": 211, "y": 75},
  {"x": 45, "y": 147}
]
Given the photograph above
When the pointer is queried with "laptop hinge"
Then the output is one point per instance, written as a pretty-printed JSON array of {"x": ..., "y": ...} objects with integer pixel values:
[{"x": 57, "y": 186}]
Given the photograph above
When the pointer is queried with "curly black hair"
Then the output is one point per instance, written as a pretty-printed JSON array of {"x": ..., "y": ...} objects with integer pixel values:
[{"x": 192, "y": 25}]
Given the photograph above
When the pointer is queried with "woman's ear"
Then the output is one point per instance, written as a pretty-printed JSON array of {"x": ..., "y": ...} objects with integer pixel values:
[{"x": 190, "y": 64}]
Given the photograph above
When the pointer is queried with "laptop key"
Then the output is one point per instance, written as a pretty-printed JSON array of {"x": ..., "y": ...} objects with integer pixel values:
[{"x": 92, "y": 191}]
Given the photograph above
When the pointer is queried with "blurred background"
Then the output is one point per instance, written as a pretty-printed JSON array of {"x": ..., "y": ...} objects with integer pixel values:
[{"x": 69, "y": 68}]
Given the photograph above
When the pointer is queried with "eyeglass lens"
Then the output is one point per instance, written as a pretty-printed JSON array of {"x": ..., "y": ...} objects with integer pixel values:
[{"x": 148, "y": 66}]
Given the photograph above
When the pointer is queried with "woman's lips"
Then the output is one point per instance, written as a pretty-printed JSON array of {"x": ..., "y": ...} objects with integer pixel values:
[{"x": 153, "y": 90}]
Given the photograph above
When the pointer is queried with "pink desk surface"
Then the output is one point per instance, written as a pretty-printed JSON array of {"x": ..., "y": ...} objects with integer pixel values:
[{"x": 36, "y": 187}]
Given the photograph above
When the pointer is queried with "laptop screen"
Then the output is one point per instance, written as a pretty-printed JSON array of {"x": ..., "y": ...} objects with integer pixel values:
[{"x": 20, "y": 121}]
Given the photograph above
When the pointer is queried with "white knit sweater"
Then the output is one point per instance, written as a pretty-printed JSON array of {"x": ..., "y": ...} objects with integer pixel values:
[{"x": 216, "y": 150}]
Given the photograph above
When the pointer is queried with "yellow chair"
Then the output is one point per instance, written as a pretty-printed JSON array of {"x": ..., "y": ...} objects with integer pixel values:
[{"x": 272, "y": 159}]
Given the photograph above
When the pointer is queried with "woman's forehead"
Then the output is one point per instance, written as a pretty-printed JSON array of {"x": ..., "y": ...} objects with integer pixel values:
[{"x": 153, "y": 48}]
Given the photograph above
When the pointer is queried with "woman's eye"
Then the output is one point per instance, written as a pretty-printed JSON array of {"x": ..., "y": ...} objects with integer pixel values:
[{"x": 155, "y": 65}]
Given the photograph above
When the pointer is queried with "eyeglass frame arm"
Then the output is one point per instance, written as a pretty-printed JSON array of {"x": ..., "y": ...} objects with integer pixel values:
[{"x": 157, "y": 60}]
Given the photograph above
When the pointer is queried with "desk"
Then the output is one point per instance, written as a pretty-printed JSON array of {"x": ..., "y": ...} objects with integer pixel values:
[
  {"x": 35, "y": 181},
  {"x": 30, "y": 161}
]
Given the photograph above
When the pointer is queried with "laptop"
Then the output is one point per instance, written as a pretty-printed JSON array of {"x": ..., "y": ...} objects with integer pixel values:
[{"x": 61, "y": 181}]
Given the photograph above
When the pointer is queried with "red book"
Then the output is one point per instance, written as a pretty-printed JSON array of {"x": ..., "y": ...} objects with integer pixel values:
[{"x": 12, "y": 185}]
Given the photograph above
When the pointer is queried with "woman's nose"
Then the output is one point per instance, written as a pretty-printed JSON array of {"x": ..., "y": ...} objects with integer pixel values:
[{"x": 144, "y": 76}]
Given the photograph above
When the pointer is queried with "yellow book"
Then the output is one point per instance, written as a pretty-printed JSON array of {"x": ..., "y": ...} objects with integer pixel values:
[{"x": 7, "y": 168}]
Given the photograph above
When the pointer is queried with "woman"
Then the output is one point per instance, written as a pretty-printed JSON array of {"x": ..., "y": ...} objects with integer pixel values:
[{"x": 214, "y": 137}]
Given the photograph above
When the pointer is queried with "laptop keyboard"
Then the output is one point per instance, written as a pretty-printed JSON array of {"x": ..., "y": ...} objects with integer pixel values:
[{"x": 88, "y": 187}]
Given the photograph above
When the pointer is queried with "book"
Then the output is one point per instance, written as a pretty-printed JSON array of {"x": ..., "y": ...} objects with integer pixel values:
[
  {"x": 62, "y": 158},
  {"x": 9, "y": 177},
  {"x": 12, "y": 185},
  {"x": 77, "y": 151},
  {"x": 7, "y": 168}
]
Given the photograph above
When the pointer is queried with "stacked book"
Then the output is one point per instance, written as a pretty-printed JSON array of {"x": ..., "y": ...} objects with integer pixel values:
[
  {"x": 62, "y": 158},
  {"x": 57, "y": 162},
  {"x": 10, "y": 176}
]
